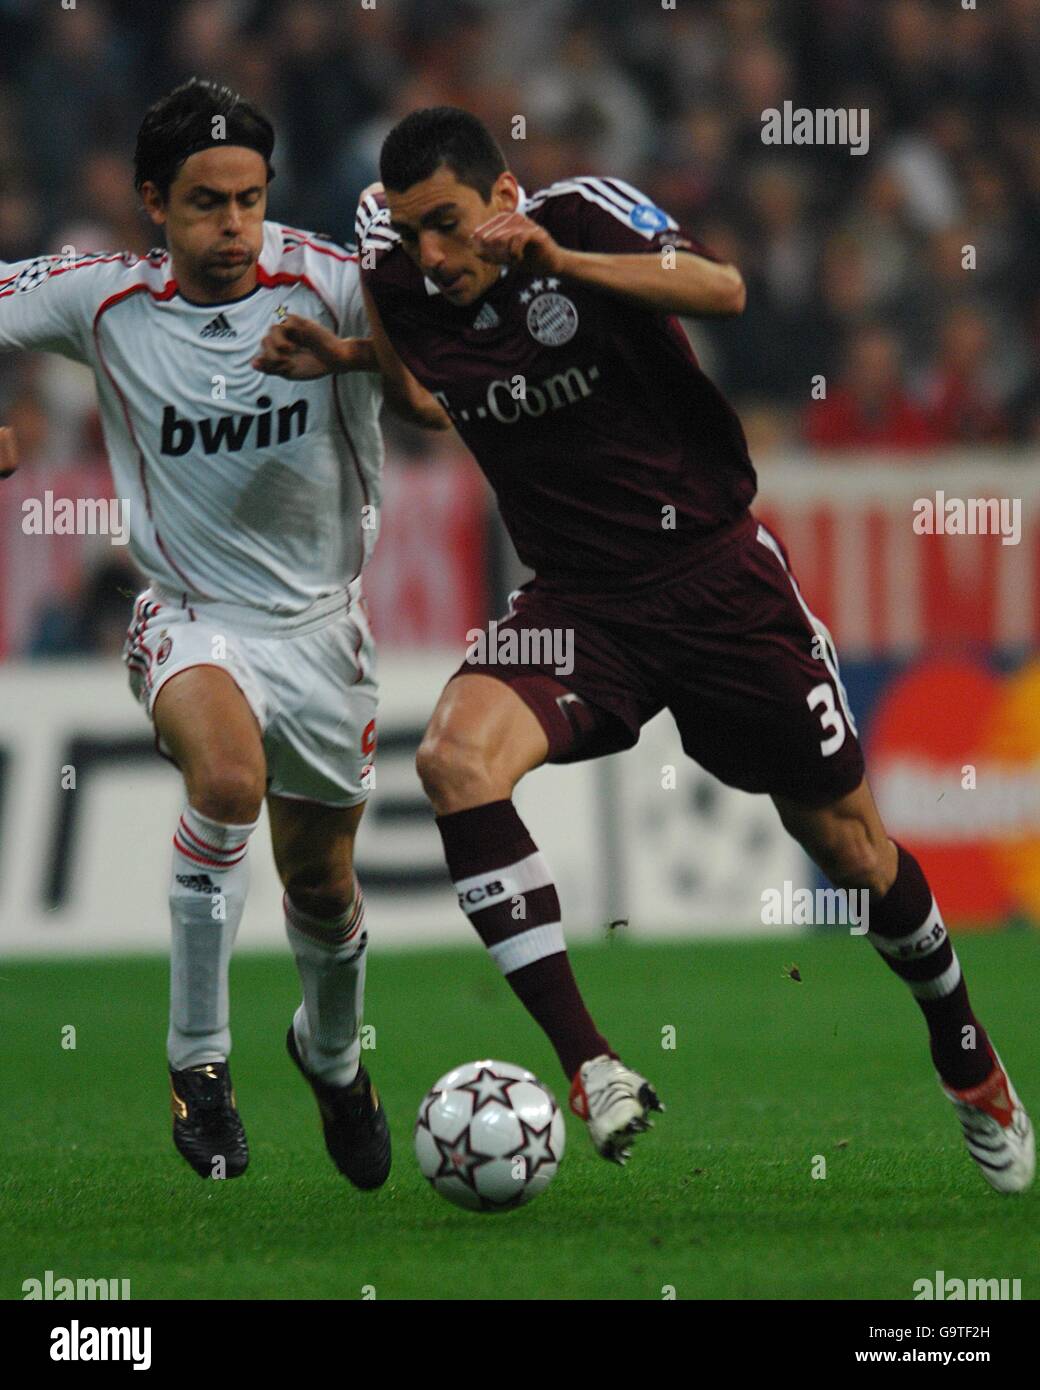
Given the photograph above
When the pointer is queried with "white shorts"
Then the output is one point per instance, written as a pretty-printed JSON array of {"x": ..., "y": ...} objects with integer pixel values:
[{"x": 311, "y": 684}]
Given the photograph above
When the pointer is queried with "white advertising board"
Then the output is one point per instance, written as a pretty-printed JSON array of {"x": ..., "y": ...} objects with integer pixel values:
[{"x": 85, "y": 869}]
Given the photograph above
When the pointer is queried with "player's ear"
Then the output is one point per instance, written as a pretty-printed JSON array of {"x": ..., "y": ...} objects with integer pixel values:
[
  {"x": 154, "y": 203},
  {"x": 505, "y": 192}
]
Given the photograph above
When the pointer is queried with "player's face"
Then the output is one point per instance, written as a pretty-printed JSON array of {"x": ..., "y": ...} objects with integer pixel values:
[
  {"x": 214, "y": 219},
  {"x": 436, "y": 219}
]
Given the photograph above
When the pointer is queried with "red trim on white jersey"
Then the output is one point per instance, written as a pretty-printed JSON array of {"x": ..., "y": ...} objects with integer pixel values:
[
  {"x": 303, "y": 239},
  {"x": 154, "y": 261},
  {"x": 161, "y": 297},
  {"x": 139, "y": 655}
]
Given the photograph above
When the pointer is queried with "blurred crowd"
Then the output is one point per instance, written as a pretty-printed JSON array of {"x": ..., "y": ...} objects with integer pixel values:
[
  {"x": 904, "y": 280},
  {"x": 855, "y": 264}
]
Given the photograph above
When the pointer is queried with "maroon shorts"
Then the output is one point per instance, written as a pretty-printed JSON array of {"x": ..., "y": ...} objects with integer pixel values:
[{"x": 731, "y": 650}]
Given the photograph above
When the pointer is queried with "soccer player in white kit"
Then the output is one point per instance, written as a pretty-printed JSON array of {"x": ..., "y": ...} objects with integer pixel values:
[{"x": 254, "y": 504}]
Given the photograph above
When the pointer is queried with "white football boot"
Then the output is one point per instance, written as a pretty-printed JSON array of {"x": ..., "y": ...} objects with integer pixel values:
[
  {"x": 614, "y": 1102},
  {"x": 997, "y": 1130}
]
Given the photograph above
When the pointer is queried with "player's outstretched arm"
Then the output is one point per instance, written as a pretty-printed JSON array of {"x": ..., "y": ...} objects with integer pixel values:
[
  {"x": 301, "y": 349},
  {"x": 8, "y": 451},
  {"x": 689, "y": 284},
  {"x": 683, "y": 283},
  {"x": 404, "y": 394}
]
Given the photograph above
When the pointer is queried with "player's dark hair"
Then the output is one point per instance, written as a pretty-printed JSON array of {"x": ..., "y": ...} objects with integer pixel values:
[
  {"x": 185, "y": 121},
  {"x": 436, "y": 135}
]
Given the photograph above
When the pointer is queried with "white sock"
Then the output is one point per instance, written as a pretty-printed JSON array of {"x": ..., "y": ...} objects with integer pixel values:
[
  {"x": 208, "y": 882},
  {"x": 330, "y": 956}
]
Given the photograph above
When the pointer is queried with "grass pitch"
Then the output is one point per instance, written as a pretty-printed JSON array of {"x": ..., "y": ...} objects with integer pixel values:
[{"x": 718, "y": 1202}]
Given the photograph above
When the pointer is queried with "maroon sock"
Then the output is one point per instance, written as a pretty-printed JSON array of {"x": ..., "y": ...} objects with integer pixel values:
[
  {"x": 506, "y": 890},
  {"x": 908, "y": 931}
]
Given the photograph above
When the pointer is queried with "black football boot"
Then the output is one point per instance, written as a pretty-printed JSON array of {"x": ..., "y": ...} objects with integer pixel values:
[
  {"x": 357, "y": 1135},
  {"x": 206, "y": 1125}
]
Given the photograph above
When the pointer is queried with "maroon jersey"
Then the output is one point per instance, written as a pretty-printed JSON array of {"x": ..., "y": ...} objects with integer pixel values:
[{"x": 613, "y": 457}]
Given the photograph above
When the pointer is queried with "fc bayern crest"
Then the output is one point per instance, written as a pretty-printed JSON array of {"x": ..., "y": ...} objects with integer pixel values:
[
  {"x": 552, "y": 319},
  {"x": 164, "y": 649}
]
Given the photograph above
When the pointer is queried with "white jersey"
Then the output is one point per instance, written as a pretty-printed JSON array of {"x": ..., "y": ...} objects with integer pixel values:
[{"x": 243, "y": 489}]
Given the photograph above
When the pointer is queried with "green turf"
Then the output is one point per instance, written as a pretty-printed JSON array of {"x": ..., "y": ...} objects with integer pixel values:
[{"x": 718, "y": 1202}]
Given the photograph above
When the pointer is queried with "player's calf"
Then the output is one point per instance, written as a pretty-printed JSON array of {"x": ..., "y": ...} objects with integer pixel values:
[
  {"x": 846, "y": 840},
  {"x": 209, "y": 879},
  {"x": 482, "y": 738},
  {"x": 505, "y": 888},
  {"x": 325, "y": 926},
  {"x": 205, "y": 724},
  {"x": 330, "y": 955},
  {"x": 907, "y": 930},
  {"x": 324, "y": 1039}
]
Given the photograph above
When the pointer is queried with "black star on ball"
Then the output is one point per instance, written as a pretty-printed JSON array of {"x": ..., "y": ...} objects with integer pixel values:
[
  {"x": 536, "y": 1148},
  {"x": 487, "y": 1086},
  {"x": 459, "y": 1159}
]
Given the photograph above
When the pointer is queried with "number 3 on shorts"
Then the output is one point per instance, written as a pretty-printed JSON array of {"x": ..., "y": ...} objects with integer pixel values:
[{"x": 830, "y": 718}]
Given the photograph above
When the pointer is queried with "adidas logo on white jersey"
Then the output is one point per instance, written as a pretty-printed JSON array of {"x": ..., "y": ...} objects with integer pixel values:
[
  {"x": 218, "y": 328},
  {"x": 487, "y": 318}
]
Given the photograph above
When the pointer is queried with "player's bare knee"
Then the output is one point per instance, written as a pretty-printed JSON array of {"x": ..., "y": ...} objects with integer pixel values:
[
  {"x": 231, "y": 793},
  {"x": 320, "y": 892},
  {"x": 452, "y": 771},
  {"x": 848, "y": 856}
]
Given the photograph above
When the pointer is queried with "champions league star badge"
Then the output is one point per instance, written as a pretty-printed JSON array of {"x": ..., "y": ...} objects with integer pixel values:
[
  {"x": 35, "y": 273},
  {"x": 551, "y": 319}
]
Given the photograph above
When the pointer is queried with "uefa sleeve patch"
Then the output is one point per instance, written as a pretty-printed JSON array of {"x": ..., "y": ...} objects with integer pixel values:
[
  {"x": 36, "y": 272},
  {"x": 647, "y": 218}
]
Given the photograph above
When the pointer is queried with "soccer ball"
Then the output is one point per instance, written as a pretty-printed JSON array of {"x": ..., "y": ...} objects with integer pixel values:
[{"x": 489, "y": 1136}]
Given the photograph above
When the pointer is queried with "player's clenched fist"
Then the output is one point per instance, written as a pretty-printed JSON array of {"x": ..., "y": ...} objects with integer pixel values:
[
  {"x": 512, "y": 239},
  {"x": 301, "y": 349},
  {"x": 8, "y": 452}
]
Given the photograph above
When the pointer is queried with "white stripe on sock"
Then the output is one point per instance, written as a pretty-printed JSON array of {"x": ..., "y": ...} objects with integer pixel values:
[
  {"x": 941, "y": 986},
  {"x": 921, "y": 943},
  {"x": 528, "y": 946},
  {"x": 496, "y": 885}
]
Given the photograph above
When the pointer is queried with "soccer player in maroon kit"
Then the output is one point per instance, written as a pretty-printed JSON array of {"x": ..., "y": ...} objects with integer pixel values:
[{"x": 545, "y": 326}]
